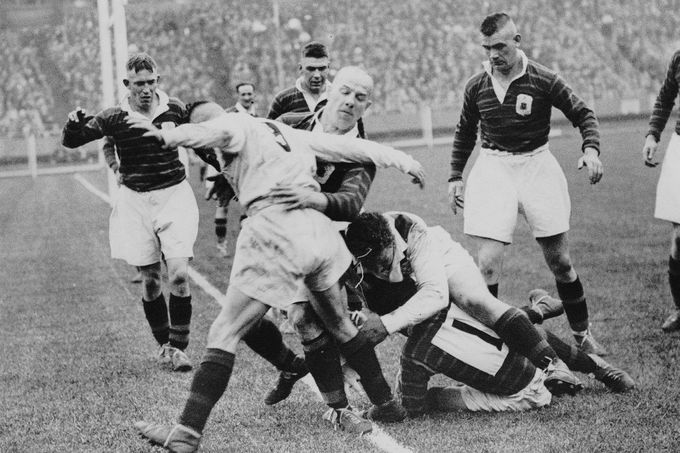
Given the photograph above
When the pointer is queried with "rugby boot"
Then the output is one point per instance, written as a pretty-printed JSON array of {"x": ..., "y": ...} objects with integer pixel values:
[
  {"x": 560, "y": 380},
  {"x": 347, "y": 420},
  {"x": 589, "y": 345},
  {"x": 286, "y": 381},
  {"x": 614, "y": 378},
  {"x": 545, "y": 305},
  {"x": 672, "y": 323},
  {"x": 180, "y": 360},
  {"x": 389, "y": 412},
  {"x": 177, "y": 439}
]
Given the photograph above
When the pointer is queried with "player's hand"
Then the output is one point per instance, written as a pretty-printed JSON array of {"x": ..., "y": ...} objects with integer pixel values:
[
  {"x": 221, "y": 190},
  {"x": 78, "y": 116},
  {"x": 296, "y": 197},
  {"x": 591, "y": 161},
  {"x": 358, "y": 318},
  {"x": 649, "y": 150},
  {"x": 456, "y": 195},
  {"x": 145, "y": 125},
  {"x": 418, "y": 173},
  {"x": 374, "y": 329}
]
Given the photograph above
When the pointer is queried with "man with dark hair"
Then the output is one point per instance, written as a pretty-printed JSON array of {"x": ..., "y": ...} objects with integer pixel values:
[
  {"x": 155, "y": 215},
  {"x": 245, "y": 92},
  {"x": 667, "y": 190},
  {"x": 310, "y": 87},
  {"x": 415, "y": 277},
  {"x": 515, "y": 173},
  {"x": 279, "y": 250},
  {"x": 344, "y": 188}
]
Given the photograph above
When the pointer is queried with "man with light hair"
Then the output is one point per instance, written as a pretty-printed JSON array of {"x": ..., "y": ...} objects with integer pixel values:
[{"x": 279, "y": 250}]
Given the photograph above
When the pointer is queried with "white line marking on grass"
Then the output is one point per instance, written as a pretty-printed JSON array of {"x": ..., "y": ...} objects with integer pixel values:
[{"x": 378, "y": 437}]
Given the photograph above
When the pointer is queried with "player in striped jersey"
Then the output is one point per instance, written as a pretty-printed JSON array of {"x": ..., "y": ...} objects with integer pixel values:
[
  {"x": 311, "y": 86},
  {"x": 415, "y": 277},
  {"x": 515, "y": 173},
  {"x": 279, "y": 250},
  {"x": 668, "y": 188},
  {"x": 155, "y": 215}
]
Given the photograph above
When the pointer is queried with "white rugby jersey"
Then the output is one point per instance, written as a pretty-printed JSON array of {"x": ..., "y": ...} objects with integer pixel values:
[{"x": 258, "y": 154}]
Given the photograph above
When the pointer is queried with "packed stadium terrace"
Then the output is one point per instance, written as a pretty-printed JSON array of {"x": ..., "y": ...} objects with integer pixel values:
[{"x": 418, "y": 51}]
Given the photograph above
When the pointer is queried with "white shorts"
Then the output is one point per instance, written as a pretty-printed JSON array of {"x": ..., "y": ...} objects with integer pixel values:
[
  {"x": 145, "y": 224},
  {"x": 279, "y": 253},
  {"x": 668, "y": 189},
  {"x": 501, "y": 185},
  {"x": 533, "y": 396}
]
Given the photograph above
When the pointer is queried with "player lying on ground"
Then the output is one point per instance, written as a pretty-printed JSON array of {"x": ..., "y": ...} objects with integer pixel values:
[
  {"x": 399, "y": 248},
  {"x": 278, "y": 250},
  {"x": 451, "y": 342}
]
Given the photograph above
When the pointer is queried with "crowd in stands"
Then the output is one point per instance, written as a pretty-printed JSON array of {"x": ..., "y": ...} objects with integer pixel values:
[{"x": 420, "y": 52}]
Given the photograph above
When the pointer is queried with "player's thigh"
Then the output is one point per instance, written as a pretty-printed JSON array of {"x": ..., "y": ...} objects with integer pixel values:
[
  {"x": 668, "y": 188},
  {"x": 131, "y": 231},
  {"x": 490, "y": 200},
  {"x": 176, "y": 224},
  {"x": 238, "y": 315},
  {"x": 544, "y": 195}
]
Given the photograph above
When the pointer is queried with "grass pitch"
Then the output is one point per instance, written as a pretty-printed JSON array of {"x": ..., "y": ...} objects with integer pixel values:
[{"x": 77, "y": 361}]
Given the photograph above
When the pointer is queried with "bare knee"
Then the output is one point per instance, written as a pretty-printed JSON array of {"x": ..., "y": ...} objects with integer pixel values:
[{"x": 305, "y": 322}]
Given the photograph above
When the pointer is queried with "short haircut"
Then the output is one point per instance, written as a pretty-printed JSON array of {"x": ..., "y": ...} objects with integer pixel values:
[
  {"x": 241, "y": 84},
  {"x": 140, "y": 62},
  {"x": 314, "y": 49},
  {"x": 368, "y": 234},
  {"x": 192, "y": 106},
  {"x": 493, "y": 23}
]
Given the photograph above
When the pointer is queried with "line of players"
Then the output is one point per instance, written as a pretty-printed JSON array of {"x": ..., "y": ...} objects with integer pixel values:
[{"x": 409, "y": 277}]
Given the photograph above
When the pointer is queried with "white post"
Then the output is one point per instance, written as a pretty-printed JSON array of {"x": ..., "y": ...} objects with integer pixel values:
[
  {"x": 120, "y": 43},
  {"x": 32, "y": 150},
  {"x": 277, "y": 45},
  {"x": 426, "y": 124}
]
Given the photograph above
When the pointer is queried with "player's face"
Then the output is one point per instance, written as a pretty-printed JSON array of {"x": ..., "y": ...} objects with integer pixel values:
[
  {"x": 314, "y": 72},
  {"x": 246, "y": 95},
  {"x": 379, "y": 263},
  {"x": 502, "y": 49},
  {"x": 348, "y": 99},
  {"x": 142, "y": 86}
]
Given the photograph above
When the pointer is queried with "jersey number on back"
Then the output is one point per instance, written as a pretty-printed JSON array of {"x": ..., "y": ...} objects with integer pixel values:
[{"x": 278, "y": 136}]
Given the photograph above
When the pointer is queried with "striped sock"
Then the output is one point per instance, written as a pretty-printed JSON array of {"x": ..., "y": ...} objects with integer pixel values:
[
  {"x": 180, "y": 318},
  {"x": 323, "y": 360},
  {"x": 515, "y": 329},
  {"x": 220, "y": 229},
  {"x": 574, "y": 302},
  {"x": 360, "y": 355},
  {"x": 157, "y": 316},
  {"x": 575, "y": 359},
  {"x": 209, "y": 383}
]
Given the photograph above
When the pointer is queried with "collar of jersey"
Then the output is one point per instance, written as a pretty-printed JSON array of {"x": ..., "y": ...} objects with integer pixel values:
[
  {"x": 525, "y": 61},
  {"x": 163, "y": 99},
  {"x": 400, "y": 247},
  {"x": 318, "y": 127}
]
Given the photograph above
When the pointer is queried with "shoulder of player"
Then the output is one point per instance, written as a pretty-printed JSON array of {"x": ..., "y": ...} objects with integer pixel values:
[
  {"x": 675, "y": 60},
  {"x": 538, "y": 72},
  {"x": 286, "y": 93},
  {"x": 406, "y": 223},
  {"x": 297, "y": 120}
]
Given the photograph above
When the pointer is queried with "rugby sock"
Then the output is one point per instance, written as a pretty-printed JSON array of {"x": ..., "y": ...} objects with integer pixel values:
[
  {"x": 360, "y": 355},
  {"x": 220, "y": 229},
  {"x": 574, "y": 302},
  {"x": 493, "y": 289},
  {"x": 674, "y": 280},
  {"x": 534, "y": 316},
  {"x": 209, "y": 383},
  {"x": 180, "y": 318},
  {"x": 515, "y": 329},
  {"x": 575, "y": 359},
  {"x": 265, "y": 339},
  {"x": 413, "y": 381},
  {"x": 157, "y": 316},
  {"x": 323, "y": 360}
]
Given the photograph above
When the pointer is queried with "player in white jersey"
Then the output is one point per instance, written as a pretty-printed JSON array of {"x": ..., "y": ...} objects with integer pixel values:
[
  {"x": 278, "y": 251},
  {"x": 414, "y": 278}
]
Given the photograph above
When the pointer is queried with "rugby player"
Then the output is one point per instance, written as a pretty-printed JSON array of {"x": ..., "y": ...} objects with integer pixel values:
[
  {"x": 515, "y": 173},
  {"x": 667, "y": 200},
  {"x": 279, "y": 250},
  {"x": 414, "y": 278}
]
